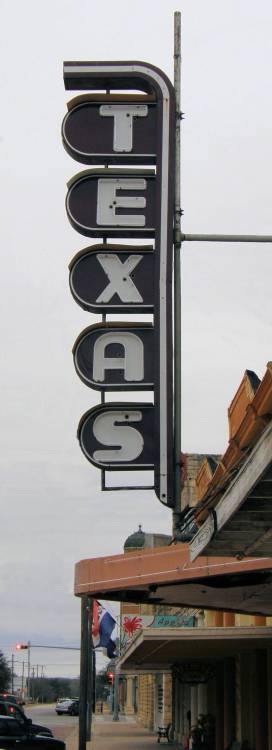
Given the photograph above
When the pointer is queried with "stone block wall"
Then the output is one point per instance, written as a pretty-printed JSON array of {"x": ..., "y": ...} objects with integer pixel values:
[{"x": 146, "y": 693}]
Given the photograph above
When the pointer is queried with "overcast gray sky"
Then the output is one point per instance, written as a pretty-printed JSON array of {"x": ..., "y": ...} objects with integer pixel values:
[{"x": 52, "y": 510}]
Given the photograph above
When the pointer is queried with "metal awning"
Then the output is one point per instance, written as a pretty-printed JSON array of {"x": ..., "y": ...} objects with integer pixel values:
[
  {"x": 241, "y": 523},
  {"x": 162, "y": 648},
  {"x": 166, "y": 576}
]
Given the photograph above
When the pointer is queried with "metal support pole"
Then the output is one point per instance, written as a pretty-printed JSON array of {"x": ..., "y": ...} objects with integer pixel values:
[
  {"x": 12, "y": 672},
  {"x": 116, "y": 695},
  {"x": 177, "y": 247},
  {"x": 83, "y": 690},
  {"x": 28, "y": 668},
  {"x": 90, "y": 663},
  {"x": 116, "y": 676},
  {"x": 226, "y": 237}
]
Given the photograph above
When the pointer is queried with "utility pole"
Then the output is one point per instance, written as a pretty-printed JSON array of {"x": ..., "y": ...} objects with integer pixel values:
[
  {"x": 12, "y": 672},
  {"x": 28, "y": 669}
]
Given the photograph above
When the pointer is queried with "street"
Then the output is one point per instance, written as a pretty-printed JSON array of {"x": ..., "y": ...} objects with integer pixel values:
[{"x": 45, "y": 714}]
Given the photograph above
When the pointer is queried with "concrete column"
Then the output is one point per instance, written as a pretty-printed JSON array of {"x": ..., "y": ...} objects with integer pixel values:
[
  {"x": 185, "y": 713},
  {"x": 229, "y": 701},
  {"x": 141, "y": 698},
  {"x": 219, "y": 714},
  {"x": 194, "y": 705},
  {"x": 261, "y": 702},
  {"x": 167, "y": 698},
  {"x": 202, "y": 698},
  {"x": 129, "y": 707},
  {"x": 151, "y": 701},
  {"x": 247, "y": 689},
  {"x": 159, "y": 706},
  {"x": 176, "y": 707}
]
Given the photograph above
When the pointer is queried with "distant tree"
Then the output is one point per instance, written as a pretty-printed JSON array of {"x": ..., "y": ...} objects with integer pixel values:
[
  {"x": 50, "y": 689},
  {"x": 41, "y": 690},
  {"x": 5, "y": 673},
  {"x": 61, "y": 687},
  {"x": 74, "y": 687}
]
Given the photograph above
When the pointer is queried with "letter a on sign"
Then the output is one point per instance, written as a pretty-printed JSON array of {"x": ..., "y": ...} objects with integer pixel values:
[
  {"x": 116, "y": 357},
  {"x": 123, "y": 130}
]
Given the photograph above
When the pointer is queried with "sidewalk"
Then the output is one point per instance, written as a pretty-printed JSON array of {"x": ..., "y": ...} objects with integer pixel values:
[{"x": 119, "y": 735}]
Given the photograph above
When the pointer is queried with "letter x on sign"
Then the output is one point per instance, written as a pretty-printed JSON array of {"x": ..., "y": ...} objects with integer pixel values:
[{"x": 120, "y": 281}]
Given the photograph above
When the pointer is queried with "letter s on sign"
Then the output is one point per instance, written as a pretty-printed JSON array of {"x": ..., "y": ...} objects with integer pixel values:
[{"x": 107, "y": 431}]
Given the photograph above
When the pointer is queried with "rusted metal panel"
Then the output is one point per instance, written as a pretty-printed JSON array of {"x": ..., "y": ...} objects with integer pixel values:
[{"x": 249, "y": 499}]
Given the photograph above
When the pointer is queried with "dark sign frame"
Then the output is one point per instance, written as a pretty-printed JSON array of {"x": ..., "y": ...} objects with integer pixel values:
[
  {"x": 82, "y": 117},
  {"x": 140, "y": 76}
]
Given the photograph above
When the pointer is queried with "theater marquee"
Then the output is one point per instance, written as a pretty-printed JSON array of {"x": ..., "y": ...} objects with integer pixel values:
[{"x": 128, "y": 199}]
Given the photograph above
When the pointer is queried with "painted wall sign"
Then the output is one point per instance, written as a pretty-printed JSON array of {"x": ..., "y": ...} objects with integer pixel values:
[
  {"x": 130, "y": 624},
  {"x": 112, "y": 356},
  {"x": 118, "y": 436},
  {"x": 113, "y": 278},
  {"x": 118, "y": 203},
  {"x": 124, "y": 129},
  {"x": 120, "y": 128}
]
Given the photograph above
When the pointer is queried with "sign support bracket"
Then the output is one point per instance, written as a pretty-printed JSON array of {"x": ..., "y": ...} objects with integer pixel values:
[
  {"x": 226, "y": 238},
  {"x": 177, "y": 274},
  {"x": 106, "y": 488},
  {"x": 179, "y": 238}
]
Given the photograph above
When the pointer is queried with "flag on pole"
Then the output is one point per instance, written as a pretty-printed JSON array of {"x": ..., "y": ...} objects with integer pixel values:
[{"x": 102, "y": 629}]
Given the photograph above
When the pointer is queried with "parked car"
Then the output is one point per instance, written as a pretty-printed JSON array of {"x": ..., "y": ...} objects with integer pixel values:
[
  {"x": 11, "y": 709},
  {"x": 8, "y": 697},
  {"x": 68, "y": 706},
  {"x": 16, "y": 736},
  {"x": 74, "y": 708}
]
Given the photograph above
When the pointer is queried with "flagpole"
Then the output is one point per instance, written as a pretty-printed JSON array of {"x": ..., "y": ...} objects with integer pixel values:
[{"x": 116, "y": 680}]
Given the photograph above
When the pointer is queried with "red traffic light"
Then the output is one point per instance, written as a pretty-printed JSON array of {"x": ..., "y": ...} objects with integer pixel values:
[
  {"x": 19, "y": 646},
  {"x": 110, "y": 676}
]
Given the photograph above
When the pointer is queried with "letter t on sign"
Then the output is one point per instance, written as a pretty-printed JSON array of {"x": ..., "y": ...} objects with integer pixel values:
[{"x": 123, "y": 123}]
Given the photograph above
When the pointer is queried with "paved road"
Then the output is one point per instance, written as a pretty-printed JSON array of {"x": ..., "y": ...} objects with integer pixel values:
[{"x": 45, "y": 714}]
